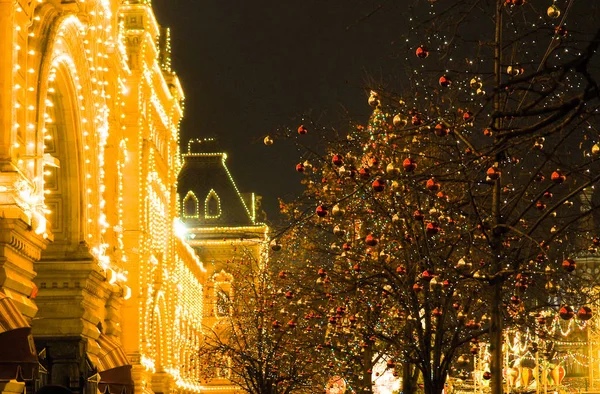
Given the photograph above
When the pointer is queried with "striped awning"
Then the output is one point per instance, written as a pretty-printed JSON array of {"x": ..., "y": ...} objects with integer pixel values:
[
  {"x": 18, "y": 358},
  {"x": 10, "y": 316},
  {"x": 113, "y": 367},
  {"x": 111, "y": 354}
]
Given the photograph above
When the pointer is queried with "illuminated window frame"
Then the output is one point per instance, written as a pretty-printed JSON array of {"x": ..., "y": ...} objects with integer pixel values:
[
  {"x": 212, "y": 194},
  {"x": 191, "y": 195}
]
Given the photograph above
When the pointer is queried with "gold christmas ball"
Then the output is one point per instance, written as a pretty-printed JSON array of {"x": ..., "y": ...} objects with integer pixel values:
[
  {"x": 553, "y": 11},
  {"x": 595, "y": 149},
  {"x": 400, "y": 120},
  {"x": 268, "y": 140}
]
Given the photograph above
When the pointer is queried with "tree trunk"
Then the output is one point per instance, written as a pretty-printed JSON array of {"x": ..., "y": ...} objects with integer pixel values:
[
  {"x": 496, "y": 340},
  {"x": 496, "y": 297},
  {"x": 434, "y": 386},
  {"x": 409, "y": 378}
]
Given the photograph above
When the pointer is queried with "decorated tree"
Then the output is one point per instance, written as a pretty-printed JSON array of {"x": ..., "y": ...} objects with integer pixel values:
[
  {"x": 262, "y": 340},
  {"x": 466, "y": 206}
]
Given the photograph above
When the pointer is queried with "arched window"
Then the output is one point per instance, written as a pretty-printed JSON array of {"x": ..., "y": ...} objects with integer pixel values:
[
  {"x": 190, "y": 205},
  {"x": 212, "y": 205}
]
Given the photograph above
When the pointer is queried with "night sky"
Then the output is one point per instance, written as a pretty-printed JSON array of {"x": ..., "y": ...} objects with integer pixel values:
[{"x": 250, "y": 68}]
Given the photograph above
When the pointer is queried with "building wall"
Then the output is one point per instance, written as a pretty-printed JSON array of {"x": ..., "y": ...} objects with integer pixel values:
[{"x": 89, "y": 158}]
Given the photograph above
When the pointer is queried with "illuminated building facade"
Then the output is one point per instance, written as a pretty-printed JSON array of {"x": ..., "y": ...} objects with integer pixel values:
[
  {"x": 221, "y": 224},
  {"x": 95, "y": 284}
]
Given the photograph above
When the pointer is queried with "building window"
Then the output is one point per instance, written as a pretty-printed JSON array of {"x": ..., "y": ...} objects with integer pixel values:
[
  {"x": 190, "y": 206},
  {"x": 212, "y": 205},
  {"x": 222, "y": 302}
]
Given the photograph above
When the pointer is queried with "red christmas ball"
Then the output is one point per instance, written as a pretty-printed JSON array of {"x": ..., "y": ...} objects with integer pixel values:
[
  {"x": 445, "y": 81},
  {"x": 409, "y": 165},
  {"x": 418, "y": 215},
  {"x": 400, "y": 270},
  {"x": 291, "y": 324},
  {"x": 584, "y": 313},
  {"x": 432, "y": 229},
  {"x": 364, "y": 173},
  {"x": 300, "y": 167},
  {"x": 337, "y": 160},
  {"x": 493, "y": 173},
  {"x": 417, "y": 287},
  {"x": 322, "y": 211},
  {"x": 566, "y": 312},
  {"x": 427, "y": 275},
  {"x": 282, "y": 275},
  {"x": 322, "y": 273},
  {"x": 422, "y": 52},
  {"x": 378, "y": 185},
  {"x": 487, "y": 375},
  {"x": 432, "y": 185},
  {"x": 302, "y": 130},
  {"x": 441, "y": 130},
  {"x": 569, "y": 265},
  {"x": 558, "y": 177},
  {"x": 370, "y": 240}
]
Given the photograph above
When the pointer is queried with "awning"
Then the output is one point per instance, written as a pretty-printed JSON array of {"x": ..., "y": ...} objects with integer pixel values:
[
  {"x": 113, "y": 367},
  {"x": 18, "y": 358}
]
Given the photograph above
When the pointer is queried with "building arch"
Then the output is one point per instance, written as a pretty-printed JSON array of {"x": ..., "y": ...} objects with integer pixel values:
[{"x": 75, "y": 138}]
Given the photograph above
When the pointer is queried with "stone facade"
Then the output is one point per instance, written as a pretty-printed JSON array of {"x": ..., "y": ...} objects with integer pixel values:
[{"x": 89, "y": 162}]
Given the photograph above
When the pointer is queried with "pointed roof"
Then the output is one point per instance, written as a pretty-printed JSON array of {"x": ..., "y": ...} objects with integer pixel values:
[{"x": 208, "y": 190}]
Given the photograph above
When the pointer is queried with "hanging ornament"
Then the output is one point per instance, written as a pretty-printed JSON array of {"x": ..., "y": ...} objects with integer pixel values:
[
  {"x": 432, "y": 229},
  {"x": 409, "y": 165},
  {"x": 569, "y": 265},
  {"x": 370, "y": 240},
  {"x": 268, "y": 141},
  {"x": 432, "y": 185},
  {"x": 321, "y": 211},
  {"x": 300, "y": 167},
  {"x": 584, "y": 313},
  {"x": 445, "y": 81},
  {"x": 595, "y": 149},
  {"x": 337, "y": 211},
  {"x": 275, "y": 246},
  {"x": 553, "y": 11},
  {"x": 373, "y": 99},
  {"x": 566, "y": 312},
  {"x": 378, "y": 185},
  {"x": 422, "y": 52},
  {"x": 558, "y": 177},
  {"x": 337, "y": 160},
  {"x": 475, "y": 83},
  {"x": 400, "y": 120},
  {"x": 487, "y": 375},
  {"x": 400, "y": 270},
  {"x": 441, "y": 130},
  {"x": 390, "y": 169},
  {"x": 418, "y": 215},
  {"x": 364, "y": 173},
  {"x": 282, "y": 275},
  {"x": 302, "y": 129},
  {"x": 493, "y": 173}
]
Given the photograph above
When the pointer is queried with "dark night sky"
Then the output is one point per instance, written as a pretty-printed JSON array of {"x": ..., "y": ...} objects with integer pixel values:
[{"x": 251, "y": 67}]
